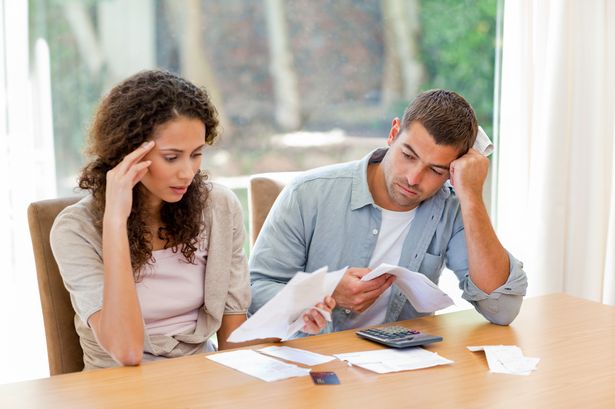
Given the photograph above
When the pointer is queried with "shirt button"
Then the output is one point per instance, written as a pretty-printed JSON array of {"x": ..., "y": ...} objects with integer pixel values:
[{"x": 375, "y": 231}]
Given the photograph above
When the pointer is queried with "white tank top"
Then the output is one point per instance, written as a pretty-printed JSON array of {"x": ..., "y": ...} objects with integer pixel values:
[{"x": 393, "y": 231}]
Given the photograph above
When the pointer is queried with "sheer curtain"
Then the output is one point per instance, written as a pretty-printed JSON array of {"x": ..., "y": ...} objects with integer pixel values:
[
  {"x": 556, "y": 195},
  {"x": 26, "y": 175}
]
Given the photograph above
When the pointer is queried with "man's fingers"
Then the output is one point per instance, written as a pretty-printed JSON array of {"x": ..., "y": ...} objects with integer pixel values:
[
  {"x": 351, "y": 287},
  {"x": 374, "y": 284},
  {"x": 373, "y": 294},
  {"x": 357, "y": 272},
  {"x": 356, "y": 295}
]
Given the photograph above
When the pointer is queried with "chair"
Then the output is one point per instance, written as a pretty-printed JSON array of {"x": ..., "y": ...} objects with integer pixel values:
[
  {"x": 263, "y": 189},
  {"x": 63, "y": 348}
]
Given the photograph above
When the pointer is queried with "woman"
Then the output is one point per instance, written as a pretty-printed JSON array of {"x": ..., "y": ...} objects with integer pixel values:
[{"x": 153, "y": 257}]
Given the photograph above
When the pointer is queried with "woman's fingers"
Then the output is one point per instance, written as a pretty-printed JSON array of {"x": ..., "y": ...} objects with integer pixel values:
[
  {"x": 136, "y": 172},
  {"x": 122, "y": 179},
  {"x": 134, "y": 156},
  {"x": 130, "y": 165}
]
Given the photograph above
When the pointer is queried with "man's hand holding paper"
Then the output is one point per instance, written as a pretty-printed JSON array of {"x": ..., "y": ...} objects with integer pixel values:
[
  {"x": 307, "y": 294},
  {"x": 422, "y": 293},
  {"x": 356, "y": 294}
]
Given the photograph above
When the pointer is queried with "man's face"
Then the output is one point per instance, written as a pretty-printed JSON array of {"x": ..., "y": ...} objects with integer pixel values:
[{"x": 414, "y": 167}]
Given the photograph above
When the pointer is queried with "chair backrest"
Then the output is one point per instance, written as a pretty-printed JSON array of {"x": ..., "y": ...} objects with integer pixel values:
[
  {"x": 263, "y": 189},
  {"x": 63, "y": 349}
]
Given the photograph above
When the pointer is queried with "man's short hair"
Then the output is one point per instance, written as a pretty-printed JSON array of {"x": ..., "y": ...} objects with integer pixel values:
[{"x": 446, "y": 115}]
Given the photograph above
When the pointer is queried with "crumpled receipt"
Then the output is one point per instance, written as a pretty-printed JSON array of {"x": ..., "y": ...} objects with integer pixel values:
[{"x": 508, "y": 359}]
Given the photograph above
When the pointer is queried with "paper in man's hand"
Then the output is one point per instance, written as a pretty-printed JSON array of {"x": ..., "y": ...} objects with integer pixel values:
[
  {"x": 282, "y": 316},
  {"x": 422, "y": 293}
]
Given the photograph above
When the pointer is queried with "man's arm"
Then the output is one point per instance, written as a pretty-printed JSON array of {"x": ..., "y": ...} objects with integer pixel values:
[
  {"x": 496, "y": 282},
  {"x": 487, "y": 260},
  {"x": 280, "y": 250}
]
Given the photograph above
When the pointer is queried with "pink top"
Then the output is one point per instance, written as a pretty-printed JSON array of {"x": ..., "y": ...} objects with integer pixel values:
[{"x": 171, "y": 292}]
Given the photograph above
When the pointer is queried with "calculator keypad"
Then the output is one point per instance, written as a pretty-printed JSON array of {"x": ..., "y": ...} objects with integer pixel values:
[
  {"x": 392, "y": 333},
  {"x": 397, "y": 336}
]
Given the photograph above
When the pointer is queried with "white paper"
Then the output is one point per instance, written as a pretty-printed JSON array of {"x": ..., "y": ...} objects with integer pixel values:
[
  {"x": 296, "y": 355},
  {"x": 483, "y": 144},
  {"x": 260, "y": 366},
  {"x": 422, "y": 293},
  {"x": 282, "y": 316},
  {"x": 394, "y": 360},
  {"x": 508, "y": 359}
]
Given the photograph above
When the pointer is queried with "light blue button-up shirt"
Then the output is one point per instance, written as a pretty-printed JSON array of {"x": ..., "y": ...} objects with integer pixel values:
[{"x": 327, "y": 217}]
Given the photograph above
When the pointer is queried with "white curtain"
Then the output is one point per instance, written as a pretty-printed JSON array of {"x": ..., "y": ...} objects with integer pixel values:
[
  {"x": 26, "y": 174},
  {"x": 556, "y": 192}
]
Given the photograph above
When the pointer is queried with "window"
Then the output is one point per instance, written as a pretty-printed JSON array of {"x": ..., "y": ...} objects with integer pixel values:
[{"x": 298, "y": 83}]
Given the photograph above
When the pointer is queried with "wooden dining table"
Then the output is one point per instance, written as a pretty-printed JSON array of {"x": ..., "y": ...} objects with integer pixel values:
[{"x": 574, "y": 339}]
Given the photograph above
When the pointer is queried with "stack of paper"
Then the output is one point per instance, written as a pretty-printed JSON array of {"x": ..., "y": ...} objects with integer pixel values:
[
  {"x": 394, "y": 360},
  {"x": 507, "y": 359}
]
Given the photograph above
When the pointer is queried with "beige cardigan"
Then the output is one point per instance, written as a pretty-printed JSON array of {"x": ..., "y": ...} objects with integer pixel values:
[{"x": 77, "y": 248}]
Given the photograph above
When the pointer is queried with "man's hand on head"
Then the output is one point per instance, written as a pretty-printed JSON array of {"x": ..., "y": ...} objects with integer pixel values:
[
  {"x": 356, "y": 295},
  {"x": 468, "y": 175}
]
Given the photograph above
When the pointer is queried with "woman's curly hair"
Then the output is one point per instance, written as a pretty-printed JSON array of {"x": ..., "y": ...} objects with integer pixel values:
[{"x": 127, "y": 117}]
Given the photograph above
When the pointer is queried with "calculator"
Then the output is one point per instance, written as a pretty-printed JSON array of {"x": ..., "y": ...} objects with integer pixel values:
[{"x": 397, "y": 337}]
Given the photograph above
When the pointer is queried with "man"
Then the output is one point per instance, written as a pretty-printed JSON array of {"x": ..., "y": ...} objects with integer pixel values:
[{"x": 394, "y": 206}]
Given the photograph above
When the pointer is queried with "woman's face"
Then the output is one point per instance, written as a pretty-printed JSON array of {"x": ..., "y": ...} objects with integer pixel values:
[{"x": 176, "y": 158}]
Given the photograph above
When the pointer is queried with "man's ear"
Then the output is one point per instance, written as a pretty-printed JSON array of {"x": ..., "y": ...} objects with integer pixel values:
[{"x": 394, "y": 131}]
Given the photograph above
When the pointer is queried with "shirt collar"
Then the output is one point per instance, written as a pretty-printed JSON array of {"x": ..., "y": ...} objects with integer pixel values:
[{"x": 361, "y": 196}]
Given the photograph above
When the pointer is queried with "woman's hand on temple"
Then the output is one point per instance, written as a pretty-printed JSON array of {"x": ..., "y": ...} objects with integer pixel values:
[{"x": 123, "y": 178}]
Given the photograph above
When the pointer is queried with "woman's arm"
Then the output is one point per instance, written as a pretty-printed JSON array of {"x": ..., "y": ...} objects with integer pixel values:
[
  {"x": 230, "y": 322},
  {"x": 118, "y": 326}
]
